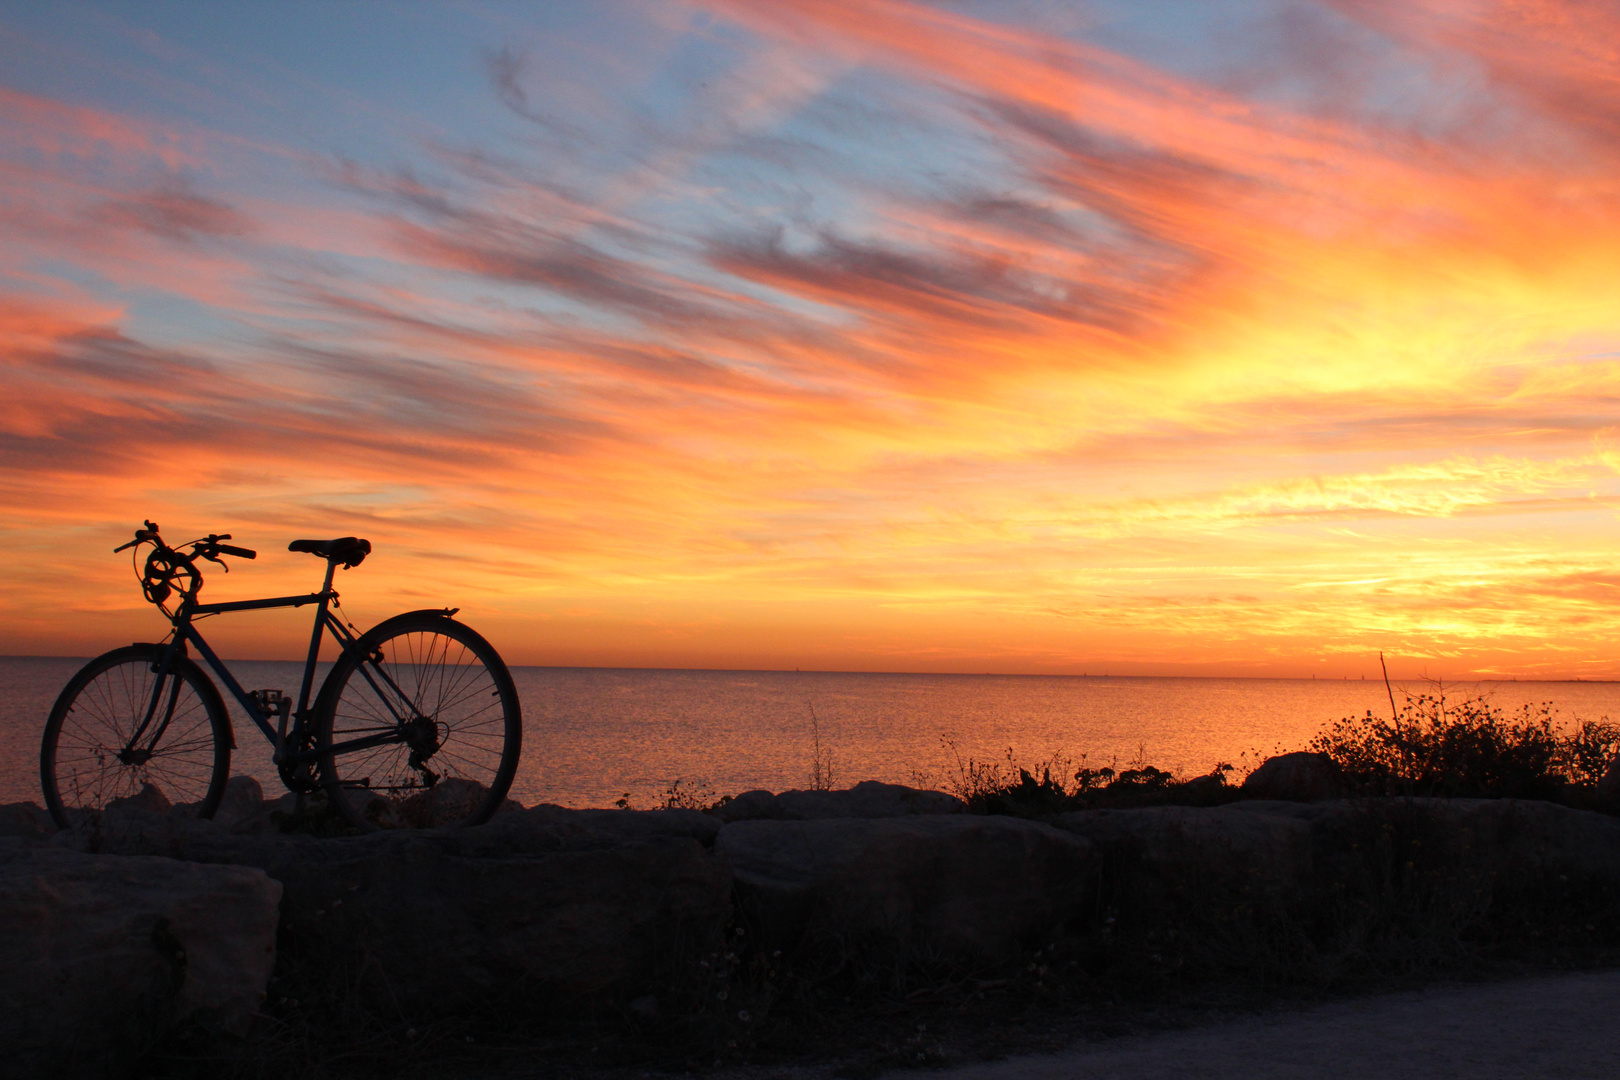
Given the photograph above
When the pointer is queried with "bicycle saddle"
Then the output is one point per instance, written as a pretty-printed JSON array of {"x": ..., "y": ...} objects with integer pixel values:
[{"x": 351, "y": 551}]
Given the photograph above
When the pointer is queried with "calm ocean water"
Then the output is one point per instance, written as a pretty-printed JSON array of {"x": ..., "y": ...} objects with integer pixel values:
[{"x": 593, "y": 734}]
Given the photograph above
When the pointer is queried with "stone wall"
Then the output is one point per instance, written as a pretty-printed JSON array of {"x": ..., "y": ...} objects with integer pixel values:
[{"x": 170, "y": 920}]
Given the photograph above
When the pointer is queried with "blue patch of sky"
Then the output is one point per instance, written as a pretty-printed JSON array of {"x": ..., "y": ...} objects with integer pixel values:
[{"x": 383, "y": 83}]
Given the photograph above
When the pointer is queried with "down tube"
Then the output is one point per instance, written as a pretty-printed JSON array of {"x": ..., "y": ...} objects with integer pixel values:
[{"x": 249, "y": 706}]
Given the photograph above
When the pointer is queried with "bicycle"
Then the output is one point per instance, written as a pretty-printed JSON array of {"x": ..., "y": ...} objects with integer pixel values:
[{"x": 417, "y": 721}]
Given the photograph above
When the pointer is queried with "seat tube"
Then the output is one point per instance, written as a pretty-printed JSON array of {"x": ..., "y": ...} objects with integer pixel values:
[{"x": 315, "y": 640}]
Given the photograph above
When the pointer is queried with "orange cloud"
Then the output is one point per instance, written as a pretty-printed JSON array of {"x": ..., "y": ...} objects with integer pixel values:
[{"x": 1126, "y": 366}]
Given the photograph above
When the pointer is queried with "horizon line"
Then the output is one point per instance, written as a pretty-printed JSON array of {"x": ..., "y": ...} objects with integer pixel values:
[{"x": 948, "y": 674}]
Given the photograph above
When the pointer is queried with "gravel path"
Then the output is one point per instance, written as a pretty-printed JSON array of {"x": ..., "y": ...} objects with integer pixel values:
[{"x": 1545, "y": 1028}]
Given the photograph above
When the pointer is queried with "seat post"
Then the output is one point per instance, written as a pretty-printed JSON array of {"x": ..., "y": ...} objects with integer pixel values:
[{"x": 315, "y": 641}]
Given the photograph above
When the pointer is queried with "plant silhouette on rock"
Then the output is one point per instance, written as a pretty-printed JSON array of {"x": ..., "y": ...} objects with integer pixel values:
[
  {"x": 1061, "y": 784},
  {"x": 1467, "y": 749}
]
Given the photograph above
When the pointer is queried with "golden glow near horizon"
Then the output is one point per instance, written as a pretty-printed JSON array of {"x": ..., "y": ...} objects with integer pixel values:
[{"x": 1216, "y": 339}]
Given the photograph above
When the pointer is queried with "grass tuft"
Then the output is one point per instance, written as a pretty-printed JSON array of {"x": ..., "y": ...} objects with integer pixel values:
[{"x": 1060, "y": 784}]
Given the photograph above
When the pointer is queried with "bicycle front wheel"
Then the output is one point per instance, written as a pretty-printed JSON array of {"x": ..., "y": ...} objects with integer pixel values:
[
  {"x": 442, "y": 697},
  {"x": 117, "y": 728}
]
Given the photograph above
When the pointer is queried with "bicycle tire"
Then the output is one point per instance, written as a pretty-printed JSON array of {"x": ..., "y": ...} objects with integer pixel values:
[
  {"x": 453, "y": 680},
  {"x": 99, "y": 709}
]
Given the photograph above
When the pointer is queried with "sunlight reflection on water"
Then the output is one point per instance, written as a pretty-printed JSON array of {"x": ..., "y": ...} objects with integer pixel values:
[{"x": 593, "y": 734}]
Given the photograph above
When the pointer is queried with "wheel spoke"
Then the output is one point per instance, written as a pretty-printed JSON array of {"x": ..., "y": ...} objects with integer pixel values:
[
  {"x": 94, "y": 721},
  {"x": 462, "y": 717}
]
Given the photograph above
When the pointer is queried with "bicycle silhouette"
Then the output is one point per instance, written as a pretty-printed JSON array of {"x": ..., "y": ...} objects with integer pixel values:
[{"x": 416, "y": 724}]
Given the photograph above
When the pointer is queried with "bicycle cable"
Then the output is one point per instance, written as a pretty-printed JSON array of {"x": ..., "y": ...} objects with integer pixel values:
[{"x": 344, "y": 615}]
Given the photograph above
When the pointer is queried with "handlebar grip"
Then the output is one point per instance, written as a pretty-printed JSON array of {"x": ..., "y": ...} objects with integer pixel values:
[
  {"x": 142, "y": 536},
  {"x": 240, "y": 553}
]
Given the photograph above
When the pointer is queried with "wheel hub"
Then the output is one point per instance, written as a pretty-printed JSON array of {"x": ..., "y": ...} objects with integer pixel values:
[
  {"x": 422, "y": 736},
  {"x": 134, "y": 757}
]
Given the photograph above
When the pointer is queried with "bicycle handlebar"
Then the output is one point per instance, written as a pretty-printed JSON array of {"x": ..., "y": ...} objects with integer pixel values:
[
  {"x": 146, "y": 535},
  {"x": 208, "y": 548},
  {"x": 169, "y": 570}
]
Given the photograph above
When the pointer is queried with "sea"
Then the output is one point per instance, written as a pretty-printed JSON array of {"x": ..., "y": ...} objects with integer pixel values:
[{"x": 593, "y": 737}]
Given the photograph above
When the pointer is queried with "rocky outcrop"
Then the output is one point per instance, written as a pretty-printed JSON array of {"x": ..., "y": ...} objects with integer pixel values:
[
  {"x": 99, "y": 956},
  {"x": 868, "y": 799},
  {"x": 1297, "y": 777},
  {"x": 978, "y": 890}
]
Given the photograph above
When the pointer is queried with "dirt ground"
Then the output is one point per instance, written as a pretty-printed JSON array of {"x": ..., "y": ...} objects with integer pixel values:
[{"x": 1544, "y": 1028}]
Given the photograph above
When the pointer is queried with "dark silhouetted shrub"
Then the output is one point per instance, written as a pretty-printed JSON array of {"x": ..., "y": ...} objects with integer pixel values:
[{"x": 1469, "y": 748}]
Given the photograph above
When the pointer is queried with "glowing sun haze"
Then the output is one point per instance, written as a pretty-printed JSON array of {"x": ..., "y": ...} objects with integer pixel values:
[{"x": 1175, "y": 338}]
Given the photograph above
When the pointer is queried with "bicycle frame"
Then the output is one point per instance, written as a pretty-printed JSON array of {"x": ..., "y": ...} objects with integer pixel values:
[{"x": 186, "y": 634}]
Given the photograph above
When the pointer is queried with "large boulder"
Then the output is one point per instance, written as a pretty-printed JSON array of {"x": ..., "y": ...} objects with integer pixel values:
[
  {"x": 1156, "y": 861},
  {"x": 868, "y": 799},
  {"x": 242, "y": 805},
  {"x": 1608, "y": 786},
  {"x": 572, "y": 906},
  {"x": 100, "y": 954},
  {"x": 25, "y": 819},
  {"x": 1525, "y": 846},
  {"x": 978, "y": 890},
  {"x": 1351, "y": 865},
  {"x": 1521, "y": 845},
  {"x": 1296, "y": 777},
  {"x": 546, "y": 826}
]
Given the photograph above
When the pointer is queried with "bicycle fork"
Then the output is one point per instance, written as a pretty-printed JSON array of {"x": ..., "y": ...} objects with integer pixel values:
[{"x": 134, "y": 755}]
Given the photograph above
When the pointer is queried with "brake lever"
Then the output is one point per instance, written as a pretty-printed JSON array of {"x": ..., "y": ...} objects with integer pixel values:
[{"x": 212, "y": 556}]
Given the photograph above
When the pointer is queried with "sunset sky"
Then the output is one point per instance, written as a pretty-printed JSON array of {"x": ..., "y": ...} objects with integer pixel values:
[{"x": 1167, "y": 338}]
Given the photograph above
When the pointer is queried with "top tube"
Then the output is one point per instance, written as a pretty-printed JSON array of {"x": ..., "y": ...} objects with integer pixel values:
[{"x": 254, "y": 605}]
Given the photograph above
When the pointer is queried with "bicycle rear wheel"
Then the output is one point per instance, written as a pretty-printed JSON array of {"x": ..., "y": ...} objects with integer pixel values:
[
  {"x": 446, "y": 696},
  {"x": 90, "y": 757}
]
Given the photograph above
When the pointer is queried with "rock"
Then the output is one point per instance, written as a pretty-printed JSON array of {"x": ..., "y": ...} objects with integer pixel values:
[
  {"x": 242, "y": 804},
  {"x": 574, "y": 906},
  {"x": 1159, "y": 861},
  {"x": 1208, "y": 790},
  {"x": 100, "y": 954},
  {"x": 978, "y": 889},
  {"x": 383, "y": 814},
  {"x": 1296, "y": 777},
  {"x": 749, "y": 806},
  {"x": 1271, "y": 865},
  {"x": 552, "y": 828},
  {"x": 1523, "y": 846},
  {"x": 149, "y": 799},
  {"x": 27, "y": 820},
  {"x": 868, "y": 799},
  {"x": 445, "y": 803},
  {"x": 1608, "y": 787}
]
